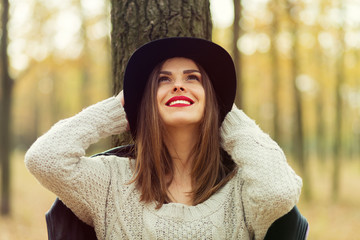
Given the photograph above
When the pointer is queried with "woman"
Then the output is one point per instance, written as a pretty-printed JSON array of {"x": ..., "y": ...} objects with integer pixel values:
[{"x": 203, "y": 169}]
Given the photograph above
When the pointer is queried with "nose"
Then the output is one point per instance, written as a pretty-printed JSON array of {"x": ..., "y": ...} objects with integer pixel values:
[{"x": 178, "y": 87}]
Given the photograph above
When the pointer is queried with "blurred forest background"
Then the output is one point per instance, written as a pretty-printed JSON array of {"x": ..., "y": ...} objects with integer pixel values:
[{"x": 299, "y": 77}]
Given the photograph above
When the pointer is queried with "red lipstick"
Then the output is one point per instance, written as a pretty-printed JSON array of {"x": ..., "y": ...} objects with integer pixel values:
[{"x": 179, "y": 101}]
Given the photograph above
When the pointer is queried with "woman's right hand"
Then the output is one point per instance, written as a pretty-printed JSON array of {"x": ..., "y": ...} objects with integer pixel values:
[{"x": 120, "y": 97}]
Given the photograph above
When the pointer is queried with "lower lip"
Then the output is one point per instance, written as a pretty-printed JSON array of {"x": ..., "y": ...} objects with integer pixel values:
[{"x": 180, "y": 105}]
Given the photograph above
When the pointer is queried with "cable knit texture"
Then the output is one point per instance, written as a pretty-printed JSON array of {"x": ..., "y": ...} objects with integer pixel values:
[{"x": 97, "y": 190}]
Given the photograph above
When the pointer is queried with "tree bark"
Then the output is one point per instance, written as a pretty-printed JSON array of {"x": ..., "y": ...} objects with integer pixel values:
[
  {"x": 5, "y": 113},
  {"x": 137, "y": 22}
]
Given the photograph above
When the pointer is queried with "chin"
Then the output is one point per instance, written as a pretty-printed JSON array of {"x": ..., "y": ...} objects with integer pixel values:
[{"x": 182, "y": 122}]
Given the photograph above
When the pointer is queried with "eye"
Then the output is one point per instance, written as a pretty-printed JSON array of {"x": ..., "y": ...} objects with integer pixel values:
[
  {"x": 163, "y": 79},
  {"x": 193, "y": 77}
]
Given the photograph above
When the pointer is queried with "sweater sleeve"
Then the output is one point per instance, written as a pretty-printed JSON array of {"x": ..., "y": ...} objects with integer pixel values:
[
  {"x": 270, "y": 187},
  {"x": 57, "y": 159}
]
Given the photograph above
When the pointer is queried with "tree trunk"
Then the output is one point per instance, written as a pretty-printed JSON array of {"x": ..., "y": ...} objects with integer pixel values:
[
  {"x": 338, "y": 130},
  {"x": 275, "y": 6},
  {"x": 298, "y": 137},
  {"x": 340, "y": 79},
  {"x": 356, "y": 128},
  {"x": 321, "y": 137},
  {"x": 5, "y": 113},
  {"x": 85, "y": 59},
  {"x": 137, "y": 22},
  {"x": 236, "y": 53}
]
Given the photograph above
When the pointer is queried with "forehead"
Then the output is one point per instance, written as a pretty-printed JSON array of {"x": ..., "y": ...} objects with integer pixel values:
[{"x": 179, "y": 63}]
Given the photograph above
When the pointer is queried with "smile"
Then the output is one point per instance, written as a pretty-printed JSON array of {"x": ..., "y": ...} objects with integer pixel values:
[{"x": 179, "y": 101}]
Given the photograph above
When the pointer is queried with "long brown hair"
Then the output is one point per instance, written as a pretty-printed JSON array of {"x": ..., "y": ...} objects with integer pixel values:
[{"x": 210, "y": 169}]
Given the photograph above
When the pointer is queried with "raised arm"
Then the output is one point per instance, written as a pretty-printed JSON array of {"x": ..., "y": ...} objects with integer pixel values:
[
  {"x": 270, "y": 186},
  {"x": 57, "y": 159}
]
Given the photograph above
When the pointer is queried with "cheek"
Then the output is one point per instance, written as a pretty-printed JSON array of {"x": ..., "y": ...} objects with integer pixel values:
[
  {"x": 202, "y": 99},
  {"x": 201, "y": 94},
  {"x": 160, "y": 95}
]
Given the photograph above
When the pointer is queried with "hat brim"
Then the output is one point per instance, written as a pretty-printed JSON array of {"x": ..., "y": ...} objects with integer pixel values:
[{"x": 215, "y": 60}]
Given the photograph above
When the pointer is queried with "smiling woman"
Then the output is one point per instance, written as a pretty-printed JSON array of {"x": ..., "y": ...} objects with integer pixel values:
[
  {"x": 178, "y": 119},
  {"x": 180, "y": 94},
  {"x": 200, "y": 168}
]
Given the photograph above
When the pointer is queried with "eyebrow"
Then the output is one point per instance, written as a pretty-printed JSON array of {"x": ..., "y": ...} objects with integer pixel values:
[
  {"x": 191, "y": 71},
  {"x": 185, "y": 72}
]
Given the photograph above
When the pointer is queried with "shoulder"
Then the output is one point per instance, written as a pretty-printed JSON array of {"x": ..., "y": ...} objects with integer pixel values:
[
  {"x": 120, "y": 168},
  {"x": 119, "y": 159}
]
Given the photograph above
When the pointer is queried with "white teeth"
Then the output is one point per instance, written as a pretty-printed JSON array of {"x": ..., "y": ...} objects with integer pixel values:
[{"x": 179, "y": 102}]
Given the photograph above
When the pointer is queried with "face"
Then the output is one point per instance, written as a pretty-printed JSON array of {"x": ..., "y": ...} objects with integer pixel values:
[{"x": 180, "y": 94}]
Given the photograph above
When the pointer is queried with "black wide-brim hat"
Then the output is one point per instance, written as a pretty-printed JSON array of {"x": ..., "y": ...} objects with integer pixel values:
[{"x": 215, "y": 60}]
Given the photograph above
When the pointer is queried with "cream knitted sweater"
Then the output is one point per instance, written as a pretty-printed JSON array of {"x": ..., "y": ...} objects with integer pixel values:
[{"x": 96, "y": 189}]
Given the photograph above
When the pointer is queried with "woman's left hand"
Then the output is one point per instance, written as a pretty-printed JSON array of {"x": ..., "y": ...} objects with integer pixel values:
[{"x": 120, "y": 97}]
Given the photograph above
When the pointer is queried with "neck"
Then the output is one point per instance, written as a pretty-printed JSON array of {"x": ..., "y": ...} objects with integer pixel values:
[{"x": 180, "y": 143}]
